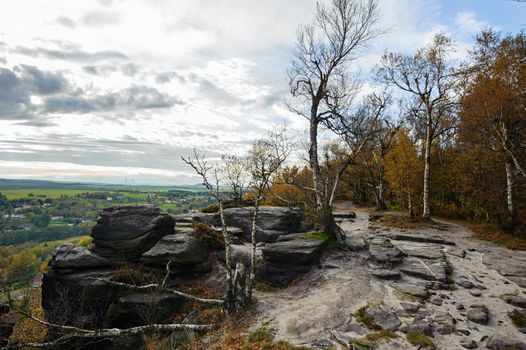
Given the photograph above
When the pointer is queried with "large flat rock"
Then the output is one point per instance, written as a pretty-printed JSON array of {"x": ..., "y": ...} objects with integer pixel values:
[
  {"x": 416, "y": 290},
  {"x": 181, "y": 250},
  {"x": 72, "y": 256},
  {"x": 300, "y": 251},
  {"x": 430, "y": 271},
  {"x": 385, "y": 252}
]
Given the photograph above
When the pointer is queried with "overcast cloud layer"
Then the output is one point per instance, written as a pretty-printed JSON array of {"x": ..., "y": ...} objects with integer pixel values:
[{"x": 108, "y": 90}]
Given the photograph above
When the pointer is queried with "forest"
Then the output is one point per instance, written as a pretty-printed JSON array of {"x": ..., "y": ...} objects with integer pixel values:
[{"x": 443, "y": 137}]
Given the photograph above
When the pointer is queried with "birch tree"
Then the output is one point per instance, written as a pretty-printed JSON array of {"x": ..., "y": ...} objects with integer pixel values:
[
  {"x": 263, "y": 162},
  {"x": 320, "y": 78},
  {"x": 430, "y": 82}
]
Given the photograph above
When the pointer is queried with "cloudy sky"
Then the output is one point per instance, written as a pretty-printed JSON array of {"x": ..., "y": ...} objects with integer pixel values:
[{"x": 108, "y": 90}]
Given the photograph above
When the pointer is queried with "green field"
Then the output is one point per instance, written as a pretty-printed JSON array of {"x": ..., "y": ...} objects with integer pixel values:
[{"x": 41, "y": 193}]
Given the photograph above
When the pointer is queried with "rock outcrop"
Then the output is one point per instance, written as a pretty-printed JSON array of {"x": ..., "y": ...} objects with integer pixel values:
[
  {"x": 130, "y": 243},
  {"x": 272, "y": 222},
  {"x": 125, "y": 233},
  {"x": 286, "y": 260}
]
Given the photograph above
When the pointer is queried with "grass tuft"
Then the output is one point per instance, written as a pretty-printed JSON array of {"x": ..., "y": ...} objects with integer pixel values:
[
  {"x": 419, "y": 339},
  {"x": 518, "y": 318}
]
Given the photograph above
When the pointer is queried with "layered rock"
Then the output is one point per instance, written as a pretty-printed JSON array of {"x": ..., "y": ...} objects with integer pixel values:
[
  {"x": 128, "y": 241},
  {"x": 287, "y": 260},
  {"x": 125, "y": 233},
  {"x": 185, "y": 254}
]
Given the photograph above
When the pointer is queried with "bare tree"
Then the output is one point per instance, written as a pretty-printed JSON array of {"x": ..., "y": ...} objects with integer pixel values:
[
  {"x": 431, "y": 84},
  {"x": 212, "y": 173},
  {"x": 320, "y": 78},
  {"x": 374, "y": 159},
  {"x": 356, "y": 131},
  {"x": 263, "y": 161}
]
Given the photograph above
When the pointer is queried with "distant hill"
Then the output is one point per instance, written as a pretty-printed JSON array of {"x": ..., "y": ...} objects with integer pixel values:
[{"x": 15, "y": 184}]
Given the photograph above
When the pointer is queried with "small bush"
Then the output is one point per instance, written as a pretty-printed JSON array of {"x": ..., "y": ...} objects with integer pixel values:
[
  {"x": 86, "y": 242},
  {"x": 419, "y": 339},
  {"x": 133, "y": 275},
  {"x": 518, "y": 318},
  {"x": 209, "y": 237},
  {"x": 367, "y": 320},
  {"x": 263, "y": 333}
]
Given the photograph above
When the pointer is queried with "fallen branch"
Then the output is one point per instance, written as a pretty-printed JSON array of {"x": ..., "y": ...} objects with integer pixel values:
[
  {"x": 217, "y": 302},
  {"x": 163, "y": 288}
]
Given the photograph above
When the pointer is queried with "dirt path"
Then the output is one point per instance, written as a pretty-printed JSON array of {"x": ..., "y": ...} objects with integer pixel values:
[{"x": 320, "y": 305}]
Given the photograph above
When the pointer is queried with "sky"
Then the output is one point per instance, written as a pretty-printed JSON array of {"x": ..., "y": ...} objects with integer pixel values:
[{"x": 118, "y": 90}]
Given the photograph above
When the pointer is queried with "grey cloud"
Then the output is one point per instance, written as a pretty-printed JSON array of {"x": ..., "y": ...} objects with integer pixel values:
[
  {"x": 3, "y": 60},
  {"x": 65, "y": 22},
  {"x": 130, "y": 69},
  {"x": 71, "y": 55},
  {"x": 100, "y": 70},
  {"x": 135, "y": 97},
  {"x": 14, "y": 98},
  {"x": 104, "y": 70},
  {"x": 127, "y": 152},
  {"x": 166, "y": 77},
  {"x": 37, "y": 123},
  {"x": 17, "y": 86},
  {"x": 215, "y": 93},
  {"x": 100, "y": 18},
  {"x": 43, "y": 83}
]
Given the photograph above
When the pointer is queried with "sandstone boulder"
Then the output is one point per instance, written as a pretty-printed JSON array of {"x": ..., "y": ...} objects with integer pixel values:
[
  {"x": 124, "y": 233},
  {"x": 72, "y": 256},
  {"x": 181, "y": 250}
]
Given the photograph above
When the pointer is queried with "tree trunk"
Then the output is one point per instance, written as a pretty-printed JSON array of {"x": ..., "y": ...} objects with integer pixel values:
[
  {"x": 381, "y": 200},
  {"x": 426, "y": 214},
  {"x": 230, "y": 294},
  {"x": 253, "y": 255},
  {"x": 236, "y": 302},
  {"x": 323, "y": 207},
  {"x": 509, "y": 192},
  {"x": 409, "y": 205}
]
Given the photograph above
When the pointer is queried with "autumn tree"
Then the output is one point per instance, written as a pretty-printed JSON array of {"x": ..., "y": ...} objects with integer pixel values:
[
  {"x": 494, "y": 107},
  {"x": 402, "y": 169},
  {"x": 320, "y": 78},
  {"x": 430, "y": 84}
]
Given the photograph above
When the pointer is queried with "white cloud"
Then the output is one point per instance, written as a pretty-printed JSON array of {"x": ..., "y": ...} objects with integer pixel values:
[{"x": 467, "y": 21}]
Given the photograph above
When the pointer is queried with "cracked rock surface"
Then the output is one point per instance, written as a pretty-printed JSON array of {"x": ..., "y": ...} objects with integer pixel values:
[{"x": 435, "y": 280}]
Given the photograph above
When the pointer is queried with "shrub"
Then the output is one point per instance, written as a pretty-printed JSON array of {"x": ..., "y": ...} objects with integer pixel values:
[
  {"x": 209, "y": 237},
  {"x": 419, "y": 339}
]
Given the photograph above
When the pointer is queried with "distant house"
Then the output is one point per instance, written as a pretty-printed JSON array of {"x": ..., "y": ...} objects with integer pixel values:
[
  {"x": 57, "y": 218},
  {"x": 109, "y": 198},
  {"x": 26, "y": 226}
]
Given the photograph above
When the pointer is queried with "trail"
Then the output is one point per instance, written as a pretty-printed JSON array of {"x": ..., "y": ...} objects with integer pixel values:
[{"x": 320, "y": 305}]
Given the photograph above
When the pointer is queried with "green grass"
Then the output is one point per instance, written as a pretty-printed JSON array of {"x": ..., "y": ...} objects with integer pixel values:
[
  {"x": 40, "y": 193},
  {"x": 381, "y": 335},
  {"x": 321, "y": 236},
  {"x": 419, "y": 339}
]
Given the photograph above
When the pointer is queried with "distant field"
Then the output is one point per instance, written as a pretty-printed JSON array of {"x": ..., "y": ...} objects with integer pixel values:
[{"x": 48, "y": 193}]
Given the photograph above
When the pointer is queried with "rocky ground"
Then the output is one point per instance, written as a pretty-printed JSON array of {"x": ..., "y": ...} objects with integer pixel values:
[{"x": 437, "y": 280}]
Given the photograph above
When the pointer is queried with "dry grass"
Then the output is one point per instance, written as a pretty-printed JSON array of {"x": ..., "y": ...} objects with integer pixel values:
[
  {"x": 493, "y": 233},
  {"x": 399, "y": 220},
  {"x": 234, "y": 335},
  {"x": 26, "y": 330},
  {"x": 518, "y": 318}
]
